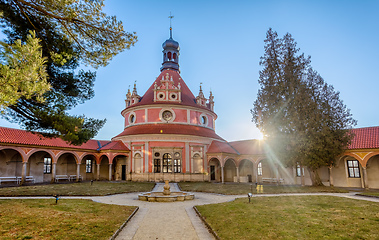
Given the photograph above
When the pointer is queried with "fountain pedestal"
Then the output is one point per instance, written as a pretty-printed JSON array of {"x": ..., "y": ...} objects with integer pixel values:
[{"x": 166, "y": 195}]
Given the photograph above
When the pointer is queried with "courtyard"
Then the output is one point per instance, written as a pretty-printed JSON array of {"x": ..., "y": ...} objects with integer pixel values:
[{"x": 278, "y": 212}]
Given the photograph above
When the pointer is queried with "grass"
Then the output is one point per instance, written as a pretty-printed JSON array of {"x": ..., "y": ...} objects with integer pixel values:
[
  {"x": 69, "y": 219},
  {"x": 372, "y": 194},
  {"x": 294, "y": 217},
  {"x": 78, "y": 189},
  {"x": 238, "y": 188}
]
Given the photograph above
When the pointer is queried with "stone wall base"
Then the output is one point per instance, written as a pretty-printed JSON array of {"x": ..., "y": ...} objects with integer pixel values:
[{"x": 172, "y": 177}]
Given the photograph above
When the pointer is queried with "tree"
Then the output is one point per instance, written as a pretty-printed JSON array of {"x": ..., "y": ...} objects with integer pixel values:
[
  {"x": 22, "y": 71},
  {"x": 302, "y": 117},
  {"x": 71, "y": 33}
]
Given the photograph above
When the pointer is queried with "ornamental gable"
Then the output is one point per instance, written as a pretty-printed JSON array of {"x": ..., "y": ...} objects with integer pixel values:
[{"x": 167, "y": 91}]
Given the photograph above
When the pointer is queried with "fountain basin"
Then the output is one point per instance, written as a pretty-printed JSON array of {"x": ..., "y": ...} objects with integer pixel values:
[{"x": 160, "y": 197}]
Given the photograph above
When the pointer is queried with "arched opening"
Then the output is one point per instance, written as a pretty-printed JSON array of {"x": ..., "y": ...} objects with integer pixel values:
[
  {"x": 372, "y": 170},
  {"x": 66, "y": 165},
  {"x": 230, "y": 171},
  {"x": 265, "y": 170},
  {"x": 137, "y": 163},
  {"x": 214, "y": 170},
  {"x": 104, "y": 168},
  {"x": 197, "y": 163},
  {"x": 169, "y": 55},
  {"x": 347, "y": 173},
  {"x": 40, "y": 166},
  {"x": 88, "y": 167},
  {"x": 10, "y": 163},
  {"x": 174, "y": 56},
  {"x": 120, "y": 166},
  {"x": 246, "y": 171}
]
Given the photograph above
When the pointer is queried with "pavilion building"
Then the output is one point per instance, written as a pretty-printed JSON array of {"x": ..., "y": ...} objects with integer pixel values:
[{"x": 169, "y": 134}]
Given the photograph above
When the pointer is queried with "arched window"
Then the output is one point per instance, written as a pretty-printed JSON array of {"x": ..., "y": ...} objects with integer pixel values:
[
  {"x": 137, "y": 163},
  {"x": 167, "y": 163},
  {"x": 169, "y": 55},
  {"x": 260, "y": 169},
  {"x": 174, "y": 56}
]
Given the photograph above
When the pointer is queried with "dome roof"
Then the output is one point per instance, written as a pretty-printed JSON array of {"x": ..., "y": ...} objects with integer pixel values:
[
  {"x": 187, "y": 97},
  {"x": 171, "y": 43}
]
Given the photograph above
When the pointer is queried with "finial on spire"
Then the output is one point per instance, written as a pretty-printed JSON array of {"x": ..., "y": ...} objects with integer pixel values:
[{"x": 170, "y": 17}]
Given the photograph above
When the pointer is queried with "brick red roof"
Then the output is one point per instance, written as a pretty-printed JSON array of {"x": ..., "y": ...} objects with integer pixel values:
[
  {"x": 165, "y": 128},
  {"x": 188, "y": 99},
  {"x": 221, "y": 147},
  {"x": 238, "y": 147},
  {"x": 252, "y": 146},
  {"x": 17, "y": 136},
  {"x": 115, "y": 145},
  {"x": 365, "y": 138}
]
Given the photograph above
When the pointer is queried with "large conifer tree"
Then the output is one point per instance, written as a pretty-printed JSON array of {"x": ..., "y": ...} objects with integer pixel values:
[{"x": 302, "y": 118}]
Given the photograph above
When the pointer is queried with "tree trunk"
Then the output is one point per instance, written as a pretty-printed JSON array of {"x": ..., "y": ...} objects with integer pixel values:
[{"x": 315, "y": 178}]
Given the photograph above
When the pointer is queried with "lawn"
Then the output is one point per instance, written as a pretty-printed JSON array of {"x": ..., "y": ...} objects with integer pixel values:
[
  {"x": 78, "y": 189},
  {"x": 294, "y": 217},
  {"x": 241, "y": 188},
  {"x": 69, "y": 219},
  {"x": 372, "y": 194}
]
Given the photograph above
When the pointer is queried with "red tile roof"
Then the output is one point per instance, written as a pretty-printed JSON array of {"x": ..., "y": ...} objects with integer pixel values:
[
  {"x": 221, "y": 147},
  {"x": 365, "y": 138},
  {"x": 238, "y": 147},
  {"x": 17, "y": 136},
  {"x": 252, "y": 146},
  {"x": 115, "y": 145},
  {"x": 188, "y": 99},
  {"x": 164, "y": 128}
]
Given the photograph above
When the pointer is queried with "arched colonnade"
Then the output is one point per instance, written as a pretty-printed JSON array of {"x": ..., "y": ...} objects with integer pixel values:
[{"x": 46, "y": 164}]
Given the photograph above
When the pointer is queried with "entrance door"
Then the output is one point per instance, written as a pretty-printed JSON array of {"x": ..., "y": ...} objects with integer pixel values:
[
  {"x": 123, "y": 172},
  {"x": 213, "y": 173}
]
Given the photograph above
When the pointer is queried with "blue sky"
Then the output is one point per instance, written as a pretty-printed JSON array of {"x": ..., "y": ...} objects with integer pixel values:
[{"x": 221, "y": 43}]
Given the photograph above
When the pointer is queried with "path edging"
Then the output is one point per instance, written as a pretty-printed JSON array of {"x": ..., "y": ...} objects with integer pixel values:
[
  {"x": 124, "y": 224},
  {"x": 210, "y": 229}
]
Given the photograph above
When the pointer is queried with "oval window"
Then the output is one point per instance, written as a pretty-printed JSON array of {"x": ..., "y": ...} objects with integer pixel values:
[{"x": 132, "y": 118}]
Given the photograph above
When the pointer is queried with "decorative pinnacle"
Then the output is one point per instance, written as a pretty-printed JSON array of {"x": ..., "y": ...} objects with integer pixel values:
[{"x": 170, "y": 17}]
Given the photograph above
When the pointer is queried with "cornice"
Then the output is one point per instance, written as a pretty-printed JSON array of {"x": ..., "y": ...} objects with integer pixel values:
[
  {"x": 152, "y": 106},
  {"x": 165, "y": 138}
]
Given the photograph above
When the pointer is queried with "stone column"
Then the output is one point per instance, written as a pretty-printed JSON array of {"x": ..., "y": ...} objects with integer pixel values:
[
  {"x": 222, "y": 174},
  {"x": 365, "y": 180},
  {"x": 54, "y": 172},
  {"x": 98, "y": 172},
  {"x": 110, "y": 172},
  {"x": 331, "y": 176},
  {"x": 238, "y": 174},
  {"x": 256, "y": 172},
  {"x": 23, "y": 173},
  {"x": 77, "y": 171}
]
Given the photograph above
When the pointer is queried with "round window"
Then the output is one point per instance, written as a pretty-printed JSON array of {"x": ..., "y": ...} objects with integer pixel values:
[
  {"x": 177, "y": 154},
  {"x": 157, "y": 154},
  {"x": 167, "y": 115}
]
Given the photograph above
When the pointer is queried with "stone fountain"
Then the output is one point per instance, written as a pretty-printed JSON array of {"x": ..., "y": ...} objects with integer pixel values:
[{"x": 166, "y": 195}]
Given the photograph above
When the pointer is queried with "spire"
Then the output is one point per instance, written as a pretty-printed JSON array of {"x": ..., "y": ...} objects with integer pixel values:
[
  {"x": 170, "y": 17},
  {"x": 170, "y": 52}
]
